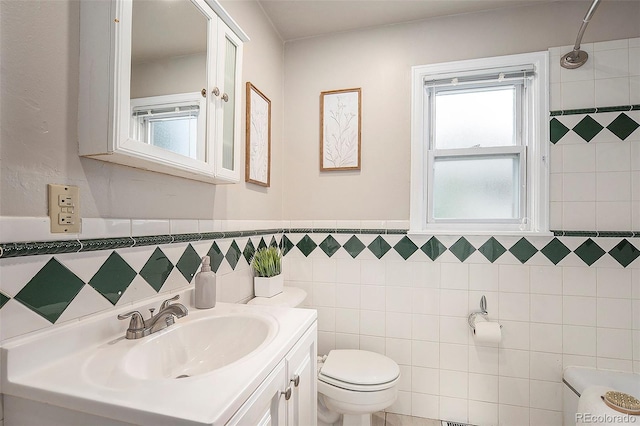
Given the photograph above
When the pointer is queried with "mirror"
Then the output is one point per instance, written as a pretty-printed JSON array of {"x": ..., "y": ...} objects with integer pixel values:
[{"x": 168, "y": 76}]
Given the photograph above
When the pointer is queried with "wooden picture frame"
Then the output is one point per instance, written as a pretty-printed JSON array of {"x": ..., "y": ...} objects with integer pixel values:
[
  {"x": 340, "y": 129},
  {"x": 258, "y": 140}
]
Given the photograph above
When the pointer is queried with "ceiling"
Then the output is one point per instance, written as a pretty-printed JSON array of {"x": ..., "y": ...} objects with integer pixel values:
[{"x": 294, "y": 19}]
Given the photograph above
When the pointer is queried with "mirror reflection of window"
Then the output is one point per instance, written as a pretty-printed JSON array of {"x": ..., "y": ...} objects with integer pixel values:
[{"x": 169, "y": 62}]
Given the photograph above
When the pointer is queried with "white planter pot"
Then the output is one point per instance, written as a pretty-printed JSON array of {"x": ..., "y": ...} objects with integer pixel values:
[{"x": 268, "y": 286}]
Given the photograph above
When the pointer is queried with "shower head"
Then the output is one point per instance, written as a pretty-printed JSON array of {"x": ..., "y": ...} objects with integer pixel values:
[{"x": 576, "y": 58}]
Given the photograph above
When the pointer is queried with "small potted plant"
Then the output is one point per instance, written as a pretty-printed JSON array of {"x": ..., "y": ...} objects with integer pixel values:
[{"x": 266, "y": 263}]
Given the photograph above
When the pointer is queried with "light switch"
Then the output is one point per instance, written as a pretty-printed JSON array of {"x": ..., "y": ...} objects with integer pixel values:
[{"x": 64, "y": 208}]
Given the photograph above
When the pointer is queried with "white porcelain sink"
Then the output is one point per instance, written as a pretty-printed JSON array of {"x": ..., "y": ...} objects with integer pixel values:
[
  {"x": 197, "y": 347},
  {"x": 89, "y": 367}
]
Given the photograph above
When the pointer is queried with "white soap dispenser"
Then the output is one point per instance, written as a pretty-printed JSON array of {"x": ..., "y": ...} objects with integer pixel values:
[{"x": 205, "y": 283}]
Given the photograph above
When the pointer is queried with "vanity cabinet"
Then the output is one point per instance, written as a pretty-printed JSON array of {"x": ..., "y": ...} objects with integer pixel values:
[
  {"x": 160, "y": 87},
  {"x": 288, "y": 396}
]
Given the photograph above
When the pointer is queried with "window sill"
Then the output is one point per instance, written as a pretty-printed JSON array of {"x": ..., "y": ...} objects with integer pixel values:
[{"x": 466, "y": 232}]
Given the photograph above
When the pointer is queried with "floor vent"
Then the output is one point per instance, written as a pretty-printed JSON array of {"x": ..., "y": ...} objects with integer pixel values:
[{"x": 447, "y": 423}]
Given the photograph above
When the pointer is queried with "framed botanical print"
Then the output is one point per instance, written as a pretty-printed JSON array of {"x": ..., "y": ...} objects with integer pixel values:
[{"x": 340, "y": 135}]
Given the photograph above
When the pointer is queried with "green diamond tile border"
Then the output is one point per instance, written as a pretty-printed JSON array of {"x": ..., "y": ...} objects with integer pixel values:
[
  {"x": 3, "y": 299},
  {"x": 589, "y": 252},
  {"x": 306, "y": 245},
  {"x": 623, "y": 126},
  {"x": 249, "y": 251},
  {"x": 462, "y": 249},
  {"x": 233, "y": 254},
  {"x": 405, "y": 247},
  {"x": 557, "y": 130},
  {"x": 113, "y": 278},
  {"x": 189, "y": 263},
  {"x": 157, "y": 269},
  {"x": 588, "y": 128},
  {"x": 492, "y": 249},
  {"x": 262, "y": 244},
  {"x": 354, "y": 246},
  {"x": 274, "y": 242},
  {"x": 329, "y": 246},
  {"x": 523, "y": 250},
  {"x": 51, "y": 290},
  {"x": 433, "y": 248},
  {"x": 624, "y": 252},
  {"x": 286, "y": 245},
  {"x": 555, "y": 251},
  {"x": 215, "y": 256},
  {"x": 379, "y": 247}
]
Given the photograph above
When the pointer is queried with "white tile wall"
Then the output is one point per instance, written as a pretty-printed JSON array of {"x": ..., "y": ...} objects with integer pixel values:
[
  {"x": 591, "y": 183},
  {"x": 552, "y": 316}
]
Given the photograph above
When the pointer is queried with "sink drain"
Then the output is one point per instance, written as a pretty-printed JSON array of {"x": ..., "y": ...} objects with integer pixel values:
[{"x": 182, "y": 376}]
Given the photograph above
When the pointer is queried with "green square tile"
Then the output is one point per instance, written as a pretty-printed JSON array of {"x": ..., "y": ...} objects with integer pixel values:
[
  {"x": 3, "y": 299},
  {"x": 262, "y": 244},
  {"x": 589, "y": 252},
  {"x": 433, "y": 248},
  {"x": 189, "y": 263},
  {"x": 249, "y": 251},
  {"x": 329, "y": 245},
  {"x": 492, "y": 249},
  {"x": 624, "y": 252},
  {"x": 379, "y": 247},
  {"x": 113, "y": 278},
  {"x": 405, "y": 247},
  {"x": 216, "y": 257},
  {"x": 623, "y": 126},
  {"x": 233, "y": 254},
  {"x": 306, "y": 245},
  {"x": 286, "y": 245},
  {"x": 157, "y": 269},
  {"x": 557, "y": 130},
  {"x": 273, "y": 242},
  {"x": 50, "y": 291},
  {"x": 462, "y": 249},
  {"x": 555, "y": 251},
  {"x": 587, "y": 128},
  {"x": 523, "y": 250},
  {"x": 354, "y": 246}
]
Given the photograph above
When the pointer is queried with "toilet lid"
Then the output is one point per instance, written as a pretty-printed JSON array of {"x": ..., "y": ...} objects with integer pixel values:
[{"x": 362, "y": 368}]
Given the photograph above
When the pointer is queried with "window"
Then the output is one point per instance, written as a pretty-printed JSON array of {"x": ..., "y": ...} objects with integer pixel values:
[
  {"x": 479, "y": 152},
  {"x": 171, "y": 122}
]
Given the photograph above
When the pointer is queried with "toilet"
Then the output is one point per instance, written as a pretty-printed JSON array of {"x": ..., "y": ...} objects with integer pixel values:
[{"x": 352, "y": 384}]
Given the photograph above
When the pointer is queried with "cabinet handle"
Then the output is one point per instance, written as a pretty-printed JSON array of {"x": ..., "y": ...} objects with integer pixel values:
[
  {"x": 203, "y": 92},
  {"x": 286, "y": 393},
  {"x": 296, "y": 380},
  {"x": 216, "y": 91},
  {"x": 225, "y": 97}
]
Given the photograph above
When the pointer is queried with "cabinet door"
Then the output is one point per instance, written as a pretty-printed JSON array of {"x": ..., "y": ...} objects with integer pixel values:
[
  {"x": 227, "y": 128},
  {"x": 266, "y": 407},
  {"x": 301, "y": 369}
]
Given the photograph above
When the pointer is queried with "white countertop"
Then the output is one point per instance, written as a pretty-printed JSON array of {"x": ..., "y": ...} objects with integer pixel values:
[{"x": 73, "y": 366}]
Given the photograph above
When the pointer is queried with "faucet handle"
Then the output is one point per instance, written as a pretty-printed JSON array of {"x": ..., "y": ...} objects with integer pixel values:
[
  {"x": 168, "y": 302},
  {"x": 136, "y": 323}
]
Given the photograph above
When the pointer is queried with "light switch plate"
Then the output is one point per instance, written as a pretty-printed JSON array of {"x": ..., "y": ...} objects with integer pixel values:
[{"x": 64, "y": 209}]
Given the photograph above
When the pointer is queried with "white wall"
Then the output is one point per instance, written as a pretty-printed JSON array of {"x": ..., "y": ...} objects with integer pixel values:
[
  {"x": 379, "y": 60},
  {"x": 39, "y": 96}
]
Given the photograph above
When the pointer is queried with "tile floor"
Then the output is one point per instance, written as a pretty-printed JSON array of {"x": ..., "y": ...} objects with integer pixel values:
[{"x": 389, "y": 419}]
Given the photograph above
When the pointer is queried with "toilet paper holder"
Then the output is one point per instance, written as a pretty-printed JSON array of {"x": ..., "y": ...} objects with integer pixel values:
[{"x": 483, "y": 311}]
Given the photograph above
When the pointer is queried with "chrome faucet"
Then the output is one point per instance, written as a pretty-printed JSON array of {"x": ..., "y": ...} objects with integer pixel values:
[{"x": 168, "y": 312}]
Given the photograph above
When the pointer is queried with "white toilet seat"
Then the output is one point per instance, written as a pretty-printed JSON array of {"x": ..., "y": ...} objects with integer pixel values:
[
  {"x": 359, "y": 370},
  {"x": 357, "y": 383}
]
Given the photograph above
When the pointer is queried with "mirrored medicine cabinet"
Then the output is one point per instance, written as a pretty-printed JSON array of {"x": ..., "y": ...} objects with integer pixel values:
[{"x": 160, "y": 86}]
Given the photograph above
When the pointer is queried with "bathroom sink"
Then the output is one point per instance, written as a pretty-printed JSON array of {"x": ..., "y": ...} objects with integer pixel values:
[{"x": 198, "y": 347}]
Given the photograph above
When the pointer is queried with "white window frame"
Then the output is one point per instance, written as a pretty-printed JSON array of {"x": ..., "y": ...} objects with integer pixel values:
[{"x": 534, "y": 149}]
